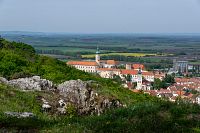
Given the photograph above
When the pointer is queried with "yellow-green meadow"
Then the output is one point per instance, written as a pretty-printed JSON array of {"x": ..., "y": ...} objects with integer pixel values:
[{"x": 123, "y": 54}]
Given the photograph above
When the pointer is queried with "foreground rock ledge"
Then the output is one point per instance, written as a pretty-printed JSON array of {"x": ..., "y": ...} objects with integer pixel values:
[
  {"x": 74, "y": 95},
  {"x": 85, "y": 99}
]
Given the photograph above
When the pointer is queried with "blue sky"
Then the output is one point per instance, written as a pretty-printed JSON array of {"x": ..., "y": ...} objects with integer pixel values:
[{"x": 101, "y": 16}]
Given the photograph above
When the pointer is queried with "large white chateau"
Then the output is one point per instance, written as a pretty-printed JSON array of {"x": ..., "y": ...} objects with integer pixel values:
[{"x": 109, "y": 69}]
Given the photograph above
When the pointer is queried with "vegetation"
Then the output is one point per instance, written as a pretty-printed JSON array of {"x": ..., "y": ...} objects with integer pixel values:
[
  {"x": 146, "y": 116},
  {"x": 122, "y": 54},
  {"x": 142, "y": 113},
  {"x": 19, "y": 60},
  {"x": 167, "y": 81}
]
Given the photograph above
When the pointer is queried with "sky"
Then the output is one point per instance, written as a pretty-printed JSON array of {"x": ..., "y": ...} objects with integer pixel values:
[{"x": 101, "y": 16}]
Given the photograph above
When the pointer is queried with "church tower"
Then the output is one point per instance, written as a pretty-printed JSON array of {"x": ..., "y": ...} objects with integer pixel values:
[
  {"x": 139, "y": 79},
  {"x": 97, "y": 56}
]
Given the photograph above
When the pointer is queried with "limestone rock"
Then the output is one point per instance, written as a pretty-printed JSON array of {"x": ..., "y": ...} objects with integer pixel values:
[
  {"x": 3, "y": 80},
  {"x": 61, "y": 111},
  {"x": 83, "y": 97},
  {"x": 45, "y": 105},
  {"x": 20, "y": 115},
  {"x": 32, "y": 83}
]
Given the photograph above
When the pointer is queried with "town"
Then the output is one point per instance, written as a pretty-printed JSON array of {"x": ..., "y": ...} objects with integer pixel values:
[{"x": 136, "y": 78}]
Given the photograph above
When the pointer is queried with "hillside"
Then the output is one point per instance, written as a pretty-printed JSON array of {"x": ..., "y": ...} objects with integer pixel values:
[
  {"x": 19, "y": 60},
  {"x": 142, "y": 114}
]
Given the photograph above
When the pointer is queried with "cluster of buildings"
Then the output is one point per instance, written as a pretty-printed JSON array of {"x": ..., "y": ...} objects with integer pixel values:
[
  {"x": 185, "y": 88},
  {"x": 132, "y": 73},
  {"x": 185, "y": 67},
  {"x": 136, "y": 77}
]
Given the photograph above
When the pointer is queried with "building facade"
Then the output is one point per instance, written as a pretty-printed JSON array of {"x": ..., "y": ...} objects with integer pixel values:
[{"x": 180, "y": 66}]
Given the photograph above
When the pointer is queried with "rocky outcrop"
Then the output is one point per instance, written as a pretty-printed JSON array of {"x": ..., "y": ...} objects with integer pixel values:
[
  {"x": 84, "y": 98},
  {"x": 71, "y": 96},
  {"x": 32, "y": 83}
]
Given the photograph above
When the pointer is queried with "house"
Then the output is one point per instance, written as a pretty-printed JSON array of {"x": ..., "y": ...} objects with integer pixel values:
[
  {"x": 138, "y": 66},
  {"x": 108, "y": 72},
  {"x": 134, "y": 75},
  {"x": 198, "y": 99},
  {"x": 110, "y": 64}
]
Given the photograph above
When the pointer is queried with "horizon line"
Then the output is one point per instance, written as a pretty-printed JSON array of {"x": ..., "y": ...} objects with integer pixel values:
[{"x": 57, "y": 32}]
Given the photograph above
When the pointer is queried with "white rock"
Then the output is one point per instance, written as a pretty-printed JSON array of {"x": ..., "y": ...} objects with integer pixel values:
[{"x": 32, "y": 83}]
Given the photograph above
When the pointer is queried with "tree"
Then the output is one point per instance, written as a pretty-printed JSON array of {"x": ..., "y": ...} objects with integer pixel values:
[
  {"x": 117, "y": 78},
  {"x": 128, "y": 77},
  {"x": 157, "y": 84},
  {"x": 169, "y": 79}
]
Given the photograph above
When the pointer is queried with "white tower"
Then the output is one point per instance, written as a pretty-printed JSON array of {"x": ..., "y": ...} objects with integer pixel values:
[
  {"x": 139, "y": 79},
  {"x": 97, "y": 56}
]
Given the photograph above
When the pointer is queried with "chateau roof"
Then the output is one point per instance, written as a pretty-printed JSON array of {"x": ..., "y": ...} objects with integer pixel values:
[{"x": 83, "y": 63}]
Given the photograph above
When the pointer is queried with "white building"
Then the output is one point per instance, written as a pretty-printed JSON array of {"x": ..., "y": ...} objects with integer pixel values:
[
  {"x": 198, "y": 99},
  {"x": 92, "y": 66},
  {"x": 139, "y": 80},
  {"x": 87, "y": 66}
]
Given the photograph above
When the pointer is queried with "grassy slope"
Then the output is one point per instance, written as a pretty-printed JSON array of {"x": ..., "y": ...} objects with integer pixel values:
[{"x": 143, "y": 114}]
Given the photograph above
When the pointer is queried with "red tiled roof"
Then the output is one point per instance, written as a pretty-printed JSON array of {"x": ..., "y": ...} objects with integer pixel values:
[
  {"x": 180, "y": 93},
  {"x": 153, "y": 93},
  {"x": 164, "y": 91},
  {"x": 82, "y": 63},
  {"x": 134, "y": 72},
  {"x": 172, "y": 88},
  {"x": 147, "y": 73},
  {"x": 137, "y": 66},
  {"x": 131, "y": 72},
  {"x": 111, "y": 62}
]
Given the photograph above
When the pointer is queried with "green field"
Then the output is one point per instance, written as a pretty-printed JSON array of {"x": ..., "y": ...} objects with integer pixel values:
[
  {"x": 66, "y": 49},
  {"x": 122, "y": 54}
]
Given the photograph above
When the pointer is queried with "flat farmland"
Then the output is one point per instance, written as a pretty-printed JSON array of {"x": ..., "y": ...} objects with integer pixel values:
[
  {"x": 66, "y": 49},
  {"x": 122, "y": 54},
  {"x": 134, "y": 45}
]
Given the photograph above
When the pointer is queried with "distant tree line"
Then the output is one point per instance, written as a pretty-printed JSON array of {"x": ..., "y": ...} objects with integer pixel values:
[{"x": 59, "y": 52}]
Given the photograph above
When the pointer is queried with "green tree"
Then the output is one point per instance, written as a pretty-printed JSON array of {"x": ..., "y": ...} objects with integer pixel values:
[{"x": 157, "y": 84}]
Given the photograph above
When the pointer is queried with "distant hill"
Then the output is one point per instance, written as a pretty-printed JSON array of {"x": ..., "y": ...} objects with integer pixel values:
[{"x": 20, "y": 33}]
